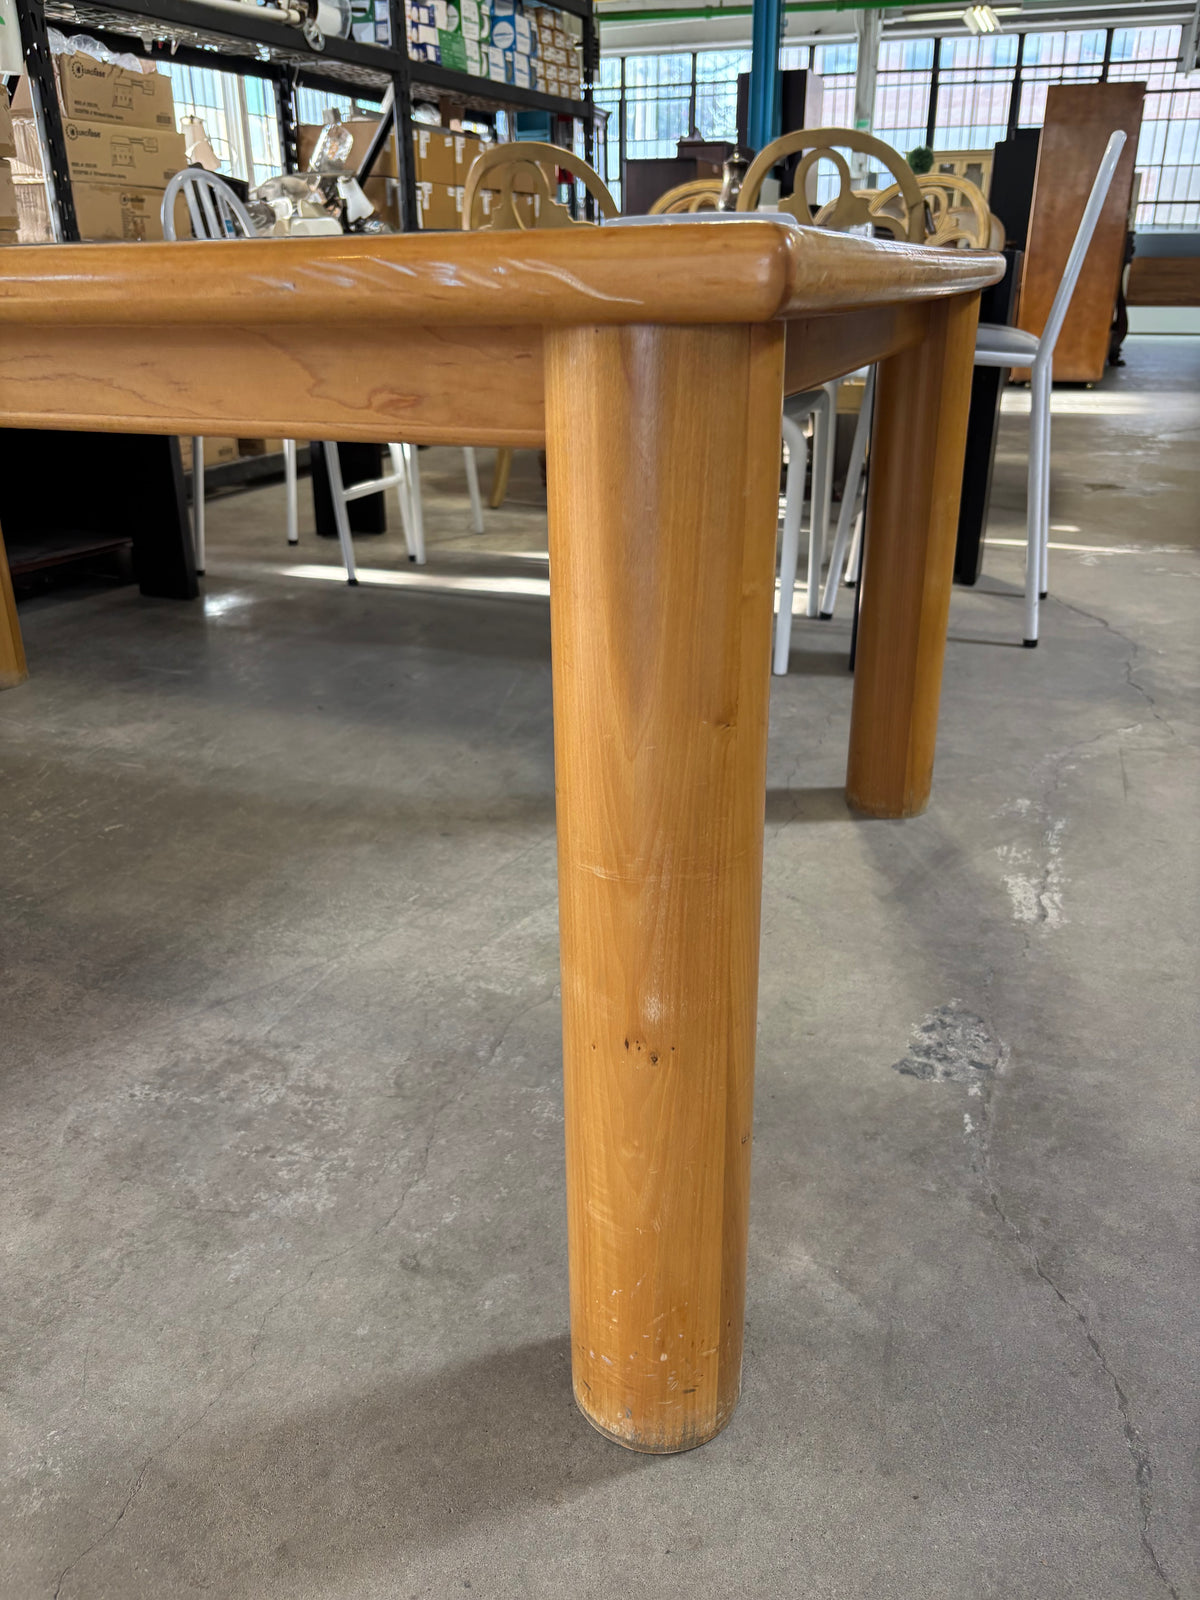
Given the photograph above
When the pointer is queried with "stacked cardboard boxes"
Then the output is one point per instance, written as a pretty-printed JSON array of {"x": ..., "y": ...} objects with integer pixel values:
[
  {"x": 558, "y": 65},
  {"x": 122, "y": 150},
  {"x": 532, "y": 47}
]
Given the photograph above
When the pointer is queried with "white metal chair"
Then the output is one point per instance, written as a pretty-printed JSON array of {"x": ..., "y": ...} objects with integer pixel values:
[
  {"x": 998, "y": 346},
  {"x": 216, "y": 212}
]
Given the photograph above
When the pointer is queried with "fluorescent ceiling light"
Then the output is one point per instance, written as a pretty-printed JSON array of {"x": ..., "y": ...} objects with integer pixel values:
[{"x": 981, "y": 19}]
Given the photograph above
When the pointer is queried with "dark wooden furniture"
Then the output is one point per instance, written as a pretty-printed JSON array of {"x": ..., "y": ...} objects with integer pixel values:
[
  {"x": 996, "y": 304},
  {"x": 1079, "y": 119},
  {"x": 1010, "y": 195}
]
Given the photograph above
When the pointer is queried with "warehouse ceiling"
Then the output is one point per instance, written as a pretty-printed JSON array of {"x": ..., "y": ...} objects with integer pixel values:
[{"x": 667, "y": 24}]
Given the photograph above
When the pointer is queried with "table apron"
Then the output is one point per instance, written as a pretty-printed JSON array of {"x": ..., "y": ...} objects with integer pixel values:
[{"x": 442, "y": 384}]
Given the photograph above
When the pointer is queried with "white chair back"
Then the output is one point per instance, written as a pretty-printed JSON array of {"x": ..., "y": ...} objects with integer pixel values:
[
  {"x": 1079, "y": 250},
  {"x": 214, "y": 208}
]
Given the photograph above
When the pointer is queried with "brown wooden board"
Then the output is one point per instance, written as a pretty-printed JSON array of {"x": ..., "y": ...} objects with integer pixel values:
[{"x": 1079, "y": 119}]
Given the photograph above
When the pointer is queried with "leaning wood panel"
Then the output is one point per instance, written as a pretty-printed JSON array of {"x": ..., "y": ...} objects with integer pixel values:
[
  {"x": 1079, "y": 119},
  {"x": 424, "y": 385},
  {"x": 663, "y": 465}
]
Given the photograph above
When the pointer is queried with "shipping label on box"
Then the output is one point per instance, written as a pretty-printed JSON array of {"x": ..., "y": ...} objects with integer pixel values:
[
  {"x": 467, "y": 150},
  {"x": 97, "y": 92},
  {"x": 111, "y": 152}
]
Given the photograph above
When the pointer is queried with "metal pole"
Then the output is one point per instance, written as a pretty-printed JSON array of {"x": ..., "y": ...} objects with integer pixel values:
[
  {"x": 762, "y": 123},
  {"x": 868, "y": 25}
]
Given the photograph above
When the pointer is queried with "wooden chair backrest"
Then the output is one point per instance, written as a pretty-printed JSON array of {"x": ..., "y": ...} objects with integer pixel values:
[
  {"x": 700, "y": 194},
  {"x": 505, "y": 161},
  {"x": 850, "y": 209},
  {"x": 956, "y": 210}
]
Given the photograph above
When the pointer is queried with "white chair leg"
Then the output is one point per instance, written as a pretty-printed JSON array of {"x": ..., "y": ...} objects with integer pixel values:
[
  {"x": 854, "y": 561},
  {"x": 789, "y": 558},
  {"x": 341, "y": 519},
  {"x": 1035, "y": 501},
  {"x": 821, "y": 430},
  {"x": 413, "y": 462},
  {"x": 1044, "y": 573},
  {"x": 198, "y": 503},
  {"x": 846, "y": 519},
  {"x": 400, "y": 469},
  {"x": 473, "y": 489},
  {"x": 291, "y": 490}
]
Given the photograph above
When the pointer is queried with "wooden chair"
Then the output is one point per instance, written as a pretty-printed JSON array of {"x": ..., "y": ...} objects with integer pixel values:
[
  {"x": 850, "y": 208},
  {"x": 700, "y": 194},
  {"x": 504, "y": 162},
  {"x": 956, "y": 212},
  {"x": 507, "y": 160}
]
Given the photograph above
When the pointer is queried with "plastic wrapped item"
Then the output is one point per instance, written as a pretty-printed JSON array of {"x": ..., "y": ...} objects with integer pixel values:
[
  {"x": 199, "y": 151},
  {"x": 334, "y": 146},
  {"x": 84, "y": 44}
]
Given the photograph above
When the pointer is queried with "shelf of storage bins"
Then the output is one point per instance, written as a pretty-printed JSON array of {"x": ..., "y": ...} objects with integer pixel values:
[
  {"x": 491, "y": 93},
  {"x": 225, "y": 34}
]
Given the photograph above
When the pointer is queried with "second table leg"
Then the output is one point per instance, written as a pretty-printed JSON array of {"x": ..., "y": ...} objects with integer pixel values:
[
  {"x": 919, "y": 437},
  {"x": 663, "y": 471}
]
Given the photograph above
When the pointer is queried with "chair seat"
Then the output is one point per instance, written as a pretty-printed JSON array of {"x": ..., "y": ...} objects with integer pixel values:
[{"x": 998, "y": 346}]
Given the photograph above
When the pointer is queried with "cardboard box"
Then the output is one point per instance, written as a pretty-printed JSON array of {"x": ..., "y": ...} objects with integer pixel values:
[
  {"x": 33, "y": 214},
  {"x": 215, "y": 451},
  {"x": 435, "y": 152},
  {"x": 125, "y": 211},
  {"x": 8, "y": 200},
  {"x": 439, "y": 205},
  {"x": 384, "y": 195},
  {"x": 94, "y": 91},
  {"x": 467, "y": 149},
  {"x": 110, "y": 152},
  {"x": 27, "y": 163},
  {"x": 260, "y": 447},
  {"x": 8, "y": 146},
  {"x": 363, "y": 130}
]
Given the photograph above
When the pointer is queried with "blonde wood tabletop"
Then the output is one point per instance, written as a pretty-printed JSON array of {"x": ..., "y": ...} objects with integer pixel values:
[{"x": 652, "y": 361}]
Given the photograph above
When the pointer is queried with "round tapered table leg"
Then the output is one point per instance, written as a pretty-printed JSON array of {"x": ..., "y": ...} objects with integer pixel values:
[{"x": 663, "y": 460}]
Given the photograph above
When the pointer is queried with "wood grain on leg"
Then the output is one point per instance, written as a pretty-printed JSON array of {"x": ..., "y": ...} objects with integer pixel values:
[
  {"x": 917, "y": 448},
  {"x": 663, "y": 456},
  {"x": 12, "y": 652}
]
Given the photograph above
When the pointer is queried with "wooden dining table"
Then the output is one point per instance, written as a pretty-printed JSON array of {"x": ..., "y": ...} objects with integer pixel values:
[{"x": 652, "y": 364}]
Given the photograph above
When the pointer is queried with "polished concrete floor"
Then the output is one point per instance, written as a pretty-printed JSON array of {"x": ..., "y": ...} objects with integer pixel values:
[{"x": 283, "y": 1299}]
